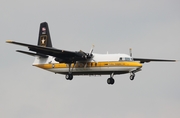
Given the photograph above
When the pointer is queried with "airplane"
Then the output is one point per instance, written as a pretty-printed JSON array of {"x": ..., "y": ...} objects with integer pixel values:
[{"x": 71, "y": 63}]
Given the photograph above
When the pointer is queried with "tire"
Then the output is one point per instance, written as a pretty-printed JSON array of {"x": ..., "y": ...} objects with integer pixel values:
[
  {"x": 110, "y": 81},
  {"x": 69, "y": 76},
  {"x": 132, "y": 77}
]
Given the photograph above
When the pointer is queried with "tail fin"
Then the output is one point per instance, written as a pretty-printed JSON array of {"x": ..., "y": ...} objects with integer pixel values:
[{"x": 44, "y": 38}]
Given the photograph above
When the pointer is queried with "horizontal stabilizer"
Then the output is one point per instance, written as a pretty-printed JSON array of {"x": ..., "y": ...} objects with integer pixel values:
[{"x": 32, "y": 54}]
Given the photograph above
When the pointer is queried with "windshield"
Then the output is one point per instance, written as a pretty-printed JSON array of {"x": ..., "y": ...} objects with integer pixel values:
[{"x": 127, "y": 59}]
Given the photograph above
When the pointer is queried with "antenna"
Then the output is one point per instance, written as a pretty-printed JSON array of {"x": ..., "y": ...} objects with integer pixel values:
[{"x": 130, "y": 52}]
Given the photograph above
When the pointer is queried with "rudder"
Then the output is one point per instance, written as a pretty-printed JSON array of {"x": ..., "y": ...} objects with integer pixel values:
[{"x": 44, "y": 38}]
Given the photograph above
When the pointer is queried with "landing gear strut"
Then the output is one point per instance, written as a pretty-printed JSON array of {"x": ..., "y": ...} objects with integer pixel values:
[{"x": 69, "y": 76}]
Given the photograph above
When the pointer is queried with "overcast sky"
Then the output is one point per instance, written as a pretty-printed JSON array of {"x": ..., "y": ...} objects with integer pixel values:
[{"x": 150, "y": 28}]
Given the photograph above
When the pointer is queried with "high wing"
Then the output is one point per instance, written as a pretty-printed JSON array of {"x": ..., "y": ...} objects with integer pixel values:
[
  {"x": 143, "y": 60},
  {"x": 60, "y": 55}
]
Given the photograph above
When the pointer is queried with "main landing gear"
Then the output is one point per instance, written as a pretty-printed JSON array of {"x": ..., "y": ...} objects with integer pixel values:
[
  {"x": 111, "y": 80},
  {"x": 69, "y": 76}
]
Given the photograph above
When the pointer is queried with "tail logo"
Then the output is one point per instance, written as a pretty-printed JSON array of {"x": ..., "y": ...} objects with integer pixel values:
[
  {"x": 43, "y": 30},
  {"x": 43, "y": 40}
]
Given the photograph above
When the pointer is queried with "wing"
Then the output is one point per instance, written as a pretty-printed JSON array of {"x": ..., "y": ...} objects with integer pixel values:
[
  {"x": 60, "y": 55},
  {"x": 143, "y": 60}
]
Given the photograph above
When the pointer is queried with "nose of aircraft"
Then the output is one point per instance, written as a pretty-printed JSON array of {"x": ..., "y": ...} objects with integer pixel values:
[{"x": 139, "y": 65}]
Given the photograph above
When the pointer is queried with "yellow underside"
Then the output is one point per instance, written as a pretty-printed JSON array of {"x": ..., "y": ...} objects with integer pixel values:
[{"x": 90, "y": 64}]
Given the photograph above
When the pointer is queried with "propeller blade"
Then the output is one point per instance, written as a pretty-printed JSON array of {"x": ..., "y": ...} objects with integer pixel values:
[{"x": 90, "y": 52}]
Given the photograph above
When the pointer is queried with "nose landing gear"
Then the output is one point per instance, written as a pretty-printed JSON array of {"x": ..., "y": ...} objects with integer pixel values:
[{"x": 132, "y": 75}]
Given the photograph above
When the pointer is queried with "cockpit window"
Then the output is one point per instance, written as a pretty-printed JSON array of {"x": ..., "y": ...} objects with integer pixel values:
[{"x": 128, "y": 59}]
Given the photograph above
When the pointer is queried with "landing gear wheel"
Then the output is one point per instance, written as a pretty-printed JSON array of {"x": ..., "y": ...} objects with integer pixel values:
[
  {"x": 69, "y": 76},
  {"x": 132, "y": 77},
  {"x": 110, "y": 81}
]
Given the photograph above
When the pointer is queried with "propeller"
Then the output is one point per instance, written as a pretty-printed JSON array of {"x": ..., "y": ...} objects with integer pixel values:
[
  {"x": 90, "y": 55},
  {"x": 91, "y": 51},
  {"x": 86, "y": 55}
]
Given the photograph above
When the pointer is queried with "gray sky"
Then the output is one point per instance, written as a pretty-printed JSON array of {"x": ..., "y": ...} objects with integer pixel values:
[{"x": 150, "y": 28}]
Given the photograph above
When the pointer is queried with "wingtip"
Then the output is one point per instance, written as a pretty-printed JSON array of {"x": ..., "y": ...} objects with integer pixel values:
[{"x": 9, "y": 41}]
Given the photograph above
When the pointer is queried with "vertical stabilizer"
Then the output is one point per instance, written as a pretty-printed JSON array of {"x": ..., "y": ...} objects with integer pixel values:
[{"x": 44, "y": 38}]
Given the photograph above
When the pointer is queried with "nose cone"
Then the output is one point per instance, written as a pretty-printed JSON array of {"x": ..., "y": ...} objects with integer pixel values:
[
  {"x": 134, "y": 64},
  {"x": 137, "y": 64}
]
